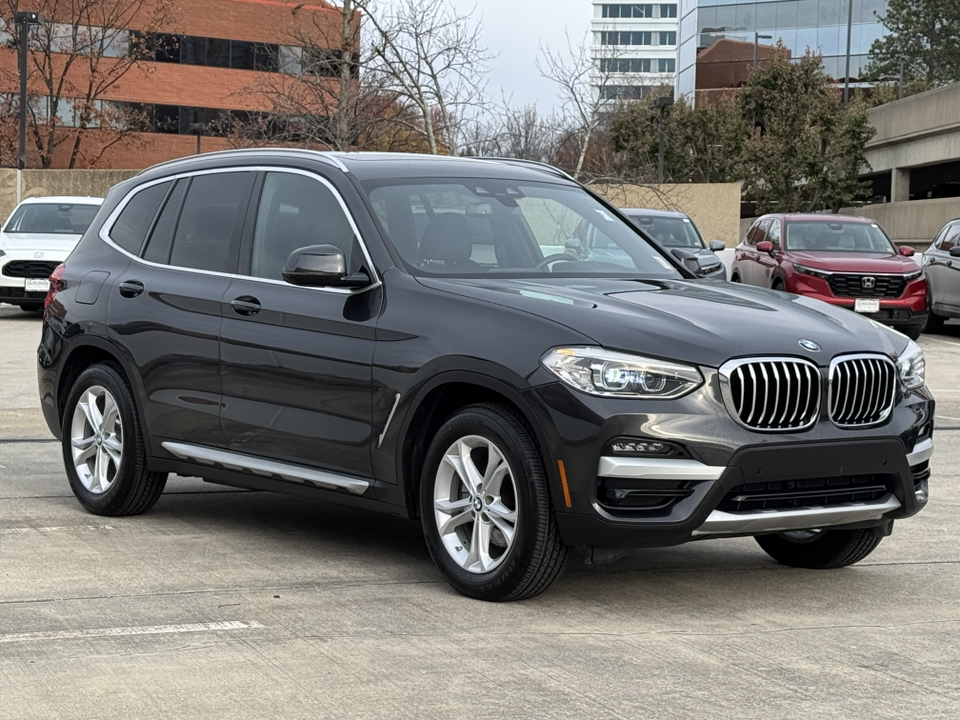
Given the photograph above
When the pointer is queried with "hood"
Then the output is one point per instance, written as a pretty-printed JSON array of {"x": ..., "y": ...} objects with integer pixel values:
[
  {"x": 854, "y": 262},
  {"x": 39, "y": 241},
  {"x": 703, "y": 322}
]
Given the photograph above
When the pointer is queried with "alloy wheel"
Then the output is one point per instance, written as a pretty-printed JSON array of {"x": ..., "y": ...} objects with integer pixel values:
[
  {"x": 96, "y": 439},
  {"x": 475, "y": 504}
]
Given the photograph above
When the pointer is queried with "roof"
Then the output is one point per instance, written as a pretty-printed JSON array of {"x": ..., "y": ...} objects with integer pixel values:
[
  {"x": 827, "y": 218},
  {"x": 649, "y": 212},
  {"x": 63, "y": 200},
  {"x": 373, "y": 165}
]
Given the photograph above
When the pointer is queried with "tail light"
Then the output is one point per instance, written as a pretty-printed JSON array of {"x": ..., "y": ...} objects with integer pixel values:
[{"x": 56, "y": 284}]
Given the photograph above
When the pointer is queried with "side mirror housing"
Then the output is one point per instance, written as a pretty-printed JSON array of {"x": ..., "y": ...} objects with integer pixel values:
[
  {"x": 717, "y": 245},
  {"x": 955, "y": 251},
  {"x": 321, "y": 266},
  {"x": 906, "y": 251},
  {"x": 765, "y": 246},
  {"x": 699, "y": 264}
]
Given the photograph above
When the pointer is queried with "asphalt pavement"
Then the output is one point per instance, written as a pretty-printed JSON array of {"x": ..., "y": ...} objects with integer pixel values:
[{"x": 221, "y": 603}]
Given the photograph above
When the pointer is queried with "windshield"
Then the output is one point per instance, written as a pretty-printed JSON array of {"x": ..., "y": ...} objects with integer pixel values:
[
  {"x": 53, "y": 218},
  {"x": 468, "y": 227},
  {"x": 838, "y": 237},
  {"x": 670, "y": 232}
]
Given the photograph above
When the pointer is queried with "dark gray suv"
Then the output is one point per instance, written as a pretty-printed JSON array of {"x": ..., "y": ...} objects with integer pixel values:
[{"x": 411, "y": 335}]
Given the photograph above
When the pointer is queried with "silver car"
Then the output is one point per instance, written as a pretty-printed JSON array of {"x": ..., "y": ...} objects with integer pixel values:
[{"x": 941, "y": 265}]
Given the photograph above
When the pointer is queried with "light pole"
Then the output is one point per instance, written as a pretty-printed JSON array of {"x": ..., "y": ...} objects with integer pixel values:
[
  {"x": 757, "y": 37},
  {"x": 846, "y": 78},
  {"x": 24, "y": 20},
  {"x": 663, "y": 103}
]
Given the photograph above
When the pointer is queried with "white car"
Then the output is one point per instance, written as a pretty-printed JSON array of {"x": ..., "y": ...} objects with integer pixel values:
[{"x": 37, "y": 237}]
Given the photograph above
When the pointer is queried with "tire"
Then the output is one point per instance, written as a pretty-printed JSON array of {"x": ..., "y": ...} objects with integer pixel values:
[
  {"x": 735, "y": 278},
  {"x": 103, "y": 446},
  {"x": 913, "y": 331},
  {"x": 477, "y": 555},
  {"x": 934, "y": 324},
  {"x": 31, "y": 307},
  {"x": 778, "y": 285},
  {"x": 819, "y": 549}
]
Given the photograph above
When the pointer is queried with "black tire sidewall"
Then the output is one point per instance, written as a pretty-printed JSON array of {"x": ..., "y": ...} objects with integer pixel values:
[
  {"x": 527, "y": 472},
  {"x": 104, "y": 503}
]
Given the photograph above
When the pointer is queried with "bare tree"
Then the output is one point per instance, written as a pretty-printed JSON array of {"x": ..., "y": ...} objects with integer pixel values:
[
  {"x": 513, "y": 132},
  {"x": 586, "y": 91},
  {"x": 81, "y": 52},
  {"x": 430, "y": 59}
]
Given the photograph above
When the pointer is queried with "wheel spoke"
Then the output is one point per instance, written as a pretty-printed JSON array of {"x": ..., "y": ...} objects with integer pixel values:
[
  {"x": 451, "y": 506},
  {"x": 496, "y": 468},
  {"x": 498, "y": 509},
  {"x": 472, "y": 475},
  {"x": 504, "y": 527},
  {"x": 455, "y": 521},
  {"x": 88, "y": 405},
  {"x": 87, "y": 448},
  {"x": 115, "y": 452},
  {"x": 111, "y": 413}
]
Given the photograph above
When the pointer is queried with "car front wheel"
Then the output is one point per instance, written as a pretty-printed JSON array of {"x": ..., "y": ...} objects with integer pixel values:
[
  {"x": 486, "y": 511},
  {"x": 819, "y": 549},
  {"x": 103, "y": 447}
]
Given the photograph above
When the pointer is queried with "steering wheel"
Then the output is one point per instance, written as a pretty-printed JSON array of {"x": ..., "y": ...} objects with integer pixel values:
[{"x": 555, "y": 258}]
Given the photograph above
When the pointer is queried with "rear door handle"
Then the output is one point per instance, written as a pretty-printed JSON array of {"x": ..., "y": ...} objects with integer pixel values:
[
  {"x": 245, "y": 305},
  {"x": 130, "y": 288}
]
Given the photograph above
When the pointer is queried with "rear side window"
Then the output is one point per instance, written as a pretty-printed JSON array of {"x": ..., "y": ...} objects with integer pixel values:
[
  {"x": 211, "y": 221},
  {"x": 950, "y": 239},
  {"x": 132, "y": 225},
  {"x": 158, "y": 249}
]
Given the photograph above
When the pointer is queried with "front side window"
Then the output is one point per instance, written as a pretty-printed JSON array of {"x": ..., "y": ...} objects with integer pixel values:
[
  {"x": 950, "y": 238},
  {"x": 52, "y": 218},
  {"x": 297, "y": 211},
  {"x": 210, "y": 221},
  {"x": 838, "y": 237},
  {"x": 487, "y": 227}
]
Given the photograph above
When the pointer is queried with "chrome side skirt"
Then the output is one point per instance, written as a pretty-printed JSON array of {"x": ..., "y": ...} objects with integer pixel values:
[
  {"x": 771, "y": 521},
  {"x": 267, "y": 468}
]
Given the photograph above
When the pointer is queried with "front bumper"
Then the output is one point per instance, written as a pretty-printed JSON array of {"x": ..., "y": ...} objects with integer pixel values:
[
  {"x": 13, "y": 282},
  {"x": 908, "y": 310},
  {"x": 823, "y": 477}
]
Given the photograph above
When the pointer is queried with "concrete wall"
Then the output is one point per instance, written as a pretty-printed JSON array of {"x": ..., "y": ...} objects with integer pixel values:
[
  {"x": 919, "y": 130},
  {"x": 39, "y": 183},
  {"x": 714, "y": 207},
  {"x": 913, "y": 223}
]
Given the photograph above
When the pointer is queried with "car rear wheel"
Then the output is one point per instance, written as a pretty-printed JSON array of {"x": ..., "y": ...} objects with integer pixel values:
[
  {"x": 913, "y": 331},
  {"x": 103, "y": 447},
  {"x": 819, "y": 549},
  {"x": 486, "y": 511},
  {"x": 735, "y": 278},
  {"x": 778, "y": 285},
  {"x": 934, "y": 323}
]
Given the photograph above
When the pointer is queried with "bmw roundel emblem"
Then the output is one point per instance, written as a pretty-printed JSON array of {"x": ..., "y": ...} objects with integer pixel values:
[{"x": 809, "y": 345}]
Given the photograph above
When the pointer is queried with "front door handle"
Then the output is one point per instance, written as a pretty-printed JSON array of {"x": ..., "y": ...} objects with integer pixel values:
[
  {"x": 245, "y": 305},
  {"x": 130, "y": 288}
]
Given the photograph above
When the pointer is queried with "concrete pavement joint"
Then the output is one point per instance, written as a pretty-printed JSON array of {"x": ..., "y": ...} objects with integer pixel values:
[{"x": 128, "y": 631}]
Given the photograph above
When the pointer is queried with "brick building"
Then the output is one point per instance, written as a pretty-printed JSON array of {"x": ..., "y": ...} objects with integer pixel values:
[{"x": 209, "y": 65}]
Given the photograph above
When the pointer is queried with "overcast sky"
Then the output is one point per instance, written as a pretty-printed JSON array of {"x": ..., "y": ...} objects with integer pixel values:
[{"x": 513, "y": 30}]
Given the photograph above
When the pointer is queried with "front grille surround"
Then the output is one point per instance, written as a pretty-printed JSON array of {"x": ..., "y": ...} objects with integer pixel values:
[
  {"x": 850, "y": 285},
  {"x": 772, "y": 394},
  {"x": 35, "y": 269},
  {"x": 872, "y": 378}
]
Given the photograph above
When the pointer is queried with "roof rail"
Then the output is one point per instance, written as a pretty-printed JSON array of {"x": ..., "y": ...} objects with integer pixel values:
[
  {"x": 329, "y": 157},
  {"x": 532, "y": 164}
]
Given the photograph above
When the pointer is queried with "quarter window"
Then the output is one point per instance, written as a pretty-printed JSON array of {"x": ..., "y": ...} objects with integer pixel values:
[
  {"x": 211, "y": 221},
  {"x": 298, "y": 211},
  {"x": 131, "y": 227},
  {"x": 951, "y": 238}
]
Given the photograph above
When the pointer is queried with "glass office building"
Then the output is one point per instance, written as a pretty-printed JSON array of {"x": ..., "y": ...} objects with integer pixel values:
[{"x": 820, "y": 25}]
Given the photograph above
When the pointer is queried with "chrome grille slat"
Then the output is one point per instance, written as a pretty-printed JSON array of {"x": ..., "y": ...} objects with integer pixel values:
[
  {"x": 862, "y": 390},
  {"x": 772, "y": 394}
]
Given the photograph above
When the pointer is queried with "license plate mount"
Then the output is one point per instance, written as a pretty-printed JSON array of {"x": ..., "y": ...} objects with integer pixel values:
[
  {"x": 36, "y": 285},
  {"x": 866, "y": 305}
]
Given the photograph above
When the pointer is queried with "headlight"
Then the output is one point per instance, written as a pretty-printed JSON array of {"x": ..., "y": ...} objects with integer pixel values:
[
  {"x": 611, "y": 374},
  {"x": 911, "y": 276},
  {"x": 911, "y": 367},
  {"x": 804, "y": 270}
]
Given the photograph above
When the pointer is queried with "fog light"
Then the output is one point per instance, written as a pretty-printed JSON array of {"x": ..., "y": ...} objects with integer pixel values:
[{"x": 639, "y": 447}]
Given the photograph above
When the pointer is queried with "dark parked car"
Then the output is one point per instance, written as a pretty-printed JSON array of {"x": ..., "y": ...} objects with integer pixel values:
[
  {"x": 842, "y": 260},
  {"x": 678, "y": 234},
  {"x": 941, "y": 265},
  {"x": 387, "y": 332}
]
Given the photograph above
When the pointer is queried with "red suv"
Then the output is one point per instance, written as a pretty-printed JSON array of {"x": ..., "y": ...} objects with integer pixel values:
[{"x": 842, "y": 260}]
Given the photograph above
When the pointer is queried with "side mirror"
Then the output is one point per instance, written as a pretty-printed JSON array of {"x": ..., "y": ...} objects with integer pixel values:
[
  {"x": 955, "y": 251},
  {"x": 906, "y": 251},
  {"x": 717, "y": 245},
  {"x": 321, "y": 266},
  {"x": 699, "y": 264},
  {"x": 765, "y": 246}
]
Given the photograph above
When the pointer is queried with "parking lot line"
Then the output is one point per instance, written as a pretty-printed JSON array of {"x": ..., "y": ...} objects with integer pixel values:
[{"x": 127, "y": 631}]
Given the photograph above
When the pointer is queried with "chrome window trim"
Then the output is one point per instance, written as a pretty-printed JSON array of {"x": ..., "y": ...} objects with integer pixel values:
[
  {"x": 861, "y": 356},
  {"x": 108, "y": 224},
  {"x": 725, "y": 370}
]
